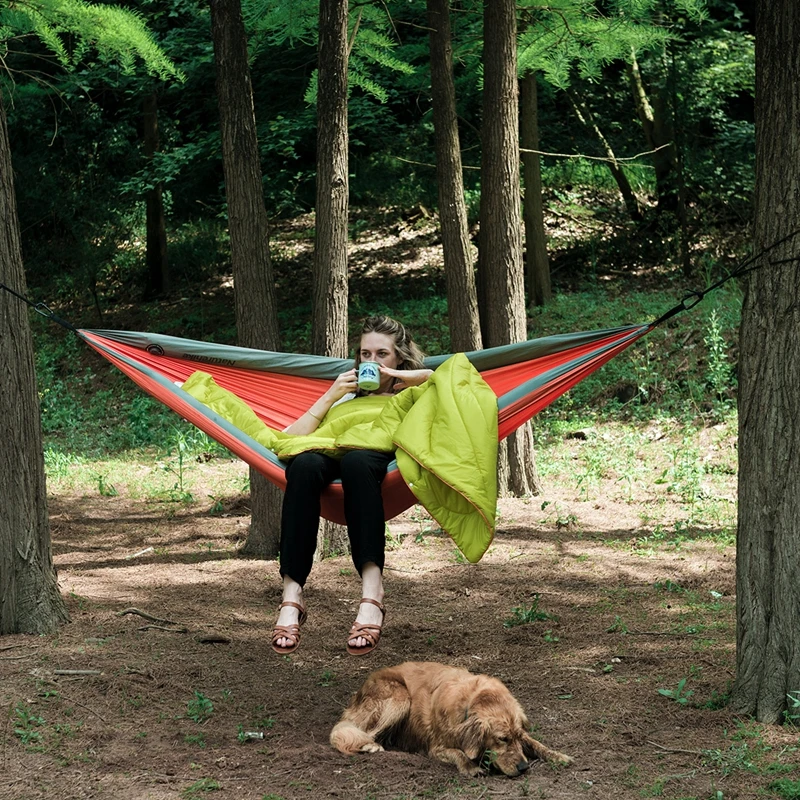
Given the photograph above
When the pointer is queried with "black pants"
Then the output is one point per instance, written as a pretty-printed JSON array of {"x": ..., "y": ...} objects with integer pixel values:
[{"x": 362, "y": 472}]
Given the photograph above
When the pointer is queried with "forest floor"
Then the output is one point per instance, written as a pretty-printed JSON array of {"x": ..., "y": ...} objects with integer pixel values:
[
  {"x": 630, "y": 608},
  {"x": 607, "y": 606}
]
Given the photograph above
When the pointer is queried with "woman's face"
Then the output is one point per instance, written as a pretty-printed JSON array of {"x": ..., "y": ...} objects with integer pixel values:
[{"x": 379, "y": 347}]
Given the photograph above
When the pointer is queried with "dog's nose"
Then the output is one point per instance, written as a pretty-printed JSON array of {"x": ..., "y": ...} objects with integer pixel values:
[{"x": 523, "y": 766}]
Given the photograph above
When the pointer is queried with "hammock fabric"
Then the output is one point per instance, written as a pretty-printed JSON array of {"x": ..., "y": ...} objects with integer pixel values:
[{"x": 280, "y": 387}]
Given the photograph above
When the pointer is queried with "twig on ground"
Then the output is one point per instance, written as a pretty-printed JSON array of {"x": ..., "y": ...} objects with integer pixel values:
[
  {"x": 15, "y": 658},
  {"x": 163, "y": 628},
  {"x": 676, "y": 749},
  {"x": 145, "y": 615},
  {"x": 78, "y": 672}
]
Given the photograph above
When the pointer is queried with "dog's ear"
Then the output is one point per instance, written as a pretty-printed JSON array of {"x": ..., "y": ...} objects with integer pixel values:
[{"x": 472, "y": 736}]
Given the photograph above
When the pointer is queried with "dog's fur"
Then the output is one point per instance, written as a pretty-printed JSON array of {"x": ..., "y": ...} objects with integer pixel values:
[{"x": 448, "y": 713}]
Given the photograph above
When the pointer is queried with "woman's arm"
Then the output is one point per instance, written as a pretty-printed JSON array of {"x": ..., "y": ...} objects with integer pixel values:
[
  {"x": 309, "y": 422},
  {"x": 407, "y": 377}
]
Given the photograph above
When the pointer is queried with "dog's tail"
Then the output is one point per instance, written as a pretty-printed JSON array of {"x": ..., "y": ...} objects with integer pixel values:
[{"x": 349, "y": 739}]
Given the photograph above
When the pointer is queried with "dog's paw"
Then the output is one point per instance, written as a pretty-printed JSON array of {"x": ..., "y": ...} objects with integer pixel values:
[
  {"x": 560, "y": 758},
  {"x": 471, "y": 770},
  {"x": 371, "y": 747}
]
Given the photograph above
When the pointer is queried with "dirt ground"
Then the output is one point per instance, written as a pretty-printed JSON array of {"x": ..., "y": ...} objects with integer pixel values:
[{"x": 626, "y": 618}]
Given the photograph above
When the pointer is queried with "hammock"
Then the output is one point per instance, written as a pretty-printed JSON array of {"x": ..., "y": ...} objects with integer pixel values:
[{"x": 280, "y": 387}]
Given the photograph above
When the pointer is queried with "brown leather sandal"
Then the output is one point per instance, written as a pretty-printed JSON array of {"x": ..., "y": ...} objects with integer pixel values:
[
  {"x": 372, "y": 633},
  {"x": 291, "y": 632}
]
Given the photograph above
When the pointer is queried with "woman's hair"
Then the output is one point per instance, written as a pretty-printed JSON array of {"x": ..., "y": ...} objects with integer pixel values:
[{"x": 409, "y": 356}]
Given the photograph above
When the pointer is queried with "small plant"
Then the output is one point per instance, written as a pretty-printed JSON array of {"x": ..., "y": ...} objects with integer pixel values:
[
  {"x": 326, "y": 679},
  {"x": 550, "y": 637},
  {"x": 25, "y": 722},
  {"x": 618, "y": 626},
  {"x": 199, "y": 708},
  {"x": 792, "y": 714},
  {"x": 194, "y": 790},
  {"x": 195, "y": 738},
  {"x": 786, "y": 789},
  {"x": 668, "y": 586},
  {"x": 106, "y": 489},
  {"x": 523, "y": 616},
  {"x": 678, "y": 694}
]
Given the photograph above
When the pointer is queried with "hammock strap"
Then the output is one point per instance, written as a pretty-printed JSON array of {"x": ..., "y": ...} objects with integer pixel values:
[
  {"x": 40, "y": 308},
  {"x": 691, "y": 299}
]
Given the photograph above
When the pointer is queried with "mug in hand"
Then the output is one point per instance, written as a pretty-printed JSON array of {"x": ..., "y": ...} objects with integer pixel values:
[{"x": 369, "y": 376}]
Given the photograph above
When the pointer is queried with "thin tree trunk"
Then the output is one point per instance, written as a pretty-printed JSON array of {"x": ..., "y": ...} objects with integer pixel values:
[
  {"x": 462, "y": 296},
  {"x": 768, "y": 539},
  {"x": 254, "y": 287},
  {"x": 586, "y": 119},
  {"x": 500, "y": 275},
  {"x": 329, "y": 322},
  {"x": 156, "y": 253},
  {"x": 29, "y": 598},
  {"x": 538, "y": 264}
]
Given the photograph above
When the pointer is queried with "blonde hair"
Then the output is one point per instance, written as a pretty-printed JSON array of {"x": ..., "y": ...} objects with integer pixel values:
[{"x": 409, "y": 356}]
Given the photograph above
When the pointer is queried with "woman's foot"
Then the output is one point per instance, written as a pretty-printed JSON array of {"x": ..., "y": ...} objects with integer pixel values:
[
  {"x": 366, "y": 631},
  {"x": 286, "y": 633}
]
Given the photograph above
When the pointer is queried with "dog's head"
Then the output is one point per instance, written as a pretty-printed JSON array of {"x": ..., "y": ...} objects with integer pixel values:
[{"x": 494, "y": 731}]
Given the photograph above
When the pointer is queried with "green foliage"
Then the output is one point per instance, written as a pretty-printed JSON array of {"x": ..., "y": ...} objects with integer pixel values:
[
  {"x": 785, "y": 788},
  {"x": 26, "y": 722},
  {"x": 74, "y": 31},
  {"x": 199, "y": 708},
  {"x": 678, "y": 694},
  {"x": 522, "y": 615}
]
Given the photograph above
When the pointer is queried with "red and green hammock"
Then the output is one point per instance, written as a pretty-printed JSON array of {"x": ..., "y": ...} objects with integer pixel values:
[{"x": 280, "y": 387}]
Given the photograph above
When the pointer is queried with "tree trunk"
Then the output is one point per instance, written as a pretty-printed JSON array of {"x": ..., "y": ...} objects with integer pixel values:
[
  {"x": 658, "y": 135},
  {"x": 768, "y": 540},
  {"x": 29, "y": 598},
  {"x": 500, "y": 276},
  {"x": 329, "y": 322},
  {"x": 156, "y": 254},
  {"x": 538, "y": 264},
  {"x": 462, "y": 296},
  {"x": 586, "y": 119},
  {"x": 254, "y": 287}
]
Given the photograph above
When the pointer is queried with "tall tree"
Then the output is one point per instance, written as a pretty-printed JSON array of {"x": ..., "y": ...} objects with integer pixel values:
[
  {"x": 462, "y": 297},
  {"x": 254, "y": 286},
  {"x": 500, "y": 276},
  {"x": 768, "y": 539},
  {"x": 538, "y": 264},
  {"x": 329, "y": 322},
  {"x": 29, "y": 598}
]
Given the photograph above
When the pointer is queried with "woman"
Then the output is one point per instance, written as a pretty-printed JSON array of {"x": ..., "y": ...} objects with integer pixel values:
[{"x": 386, "y": 342}]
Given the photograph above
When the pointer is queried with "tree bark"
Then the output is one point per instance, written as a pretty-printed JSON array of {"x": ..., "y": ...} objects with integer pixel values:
[
  {"x": 254, "y": 287},
  {"x": 462, "y": 296},
  {"x": 329, "y": 322},
  {"x": 768, "y": 539},
  {"x": 538, "y": 264},
  {"x": 156, "y": 252},
  {"x": 29, "y": 598},
  {"x": 500, "y": 275}
]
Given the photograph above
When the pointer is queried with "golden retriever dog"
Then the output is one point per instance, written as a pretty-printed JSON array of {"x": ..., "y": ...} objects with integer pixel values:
[{"x": 455, "y": 716}]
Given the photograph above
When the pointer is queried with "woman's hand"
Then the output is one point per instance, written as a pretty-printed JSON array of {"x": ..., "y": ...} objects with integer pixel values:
[
  {"x": 344, "y": 384},
  {"x": 309, "y": 422},
  {"x": 406, "y": 377}
]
